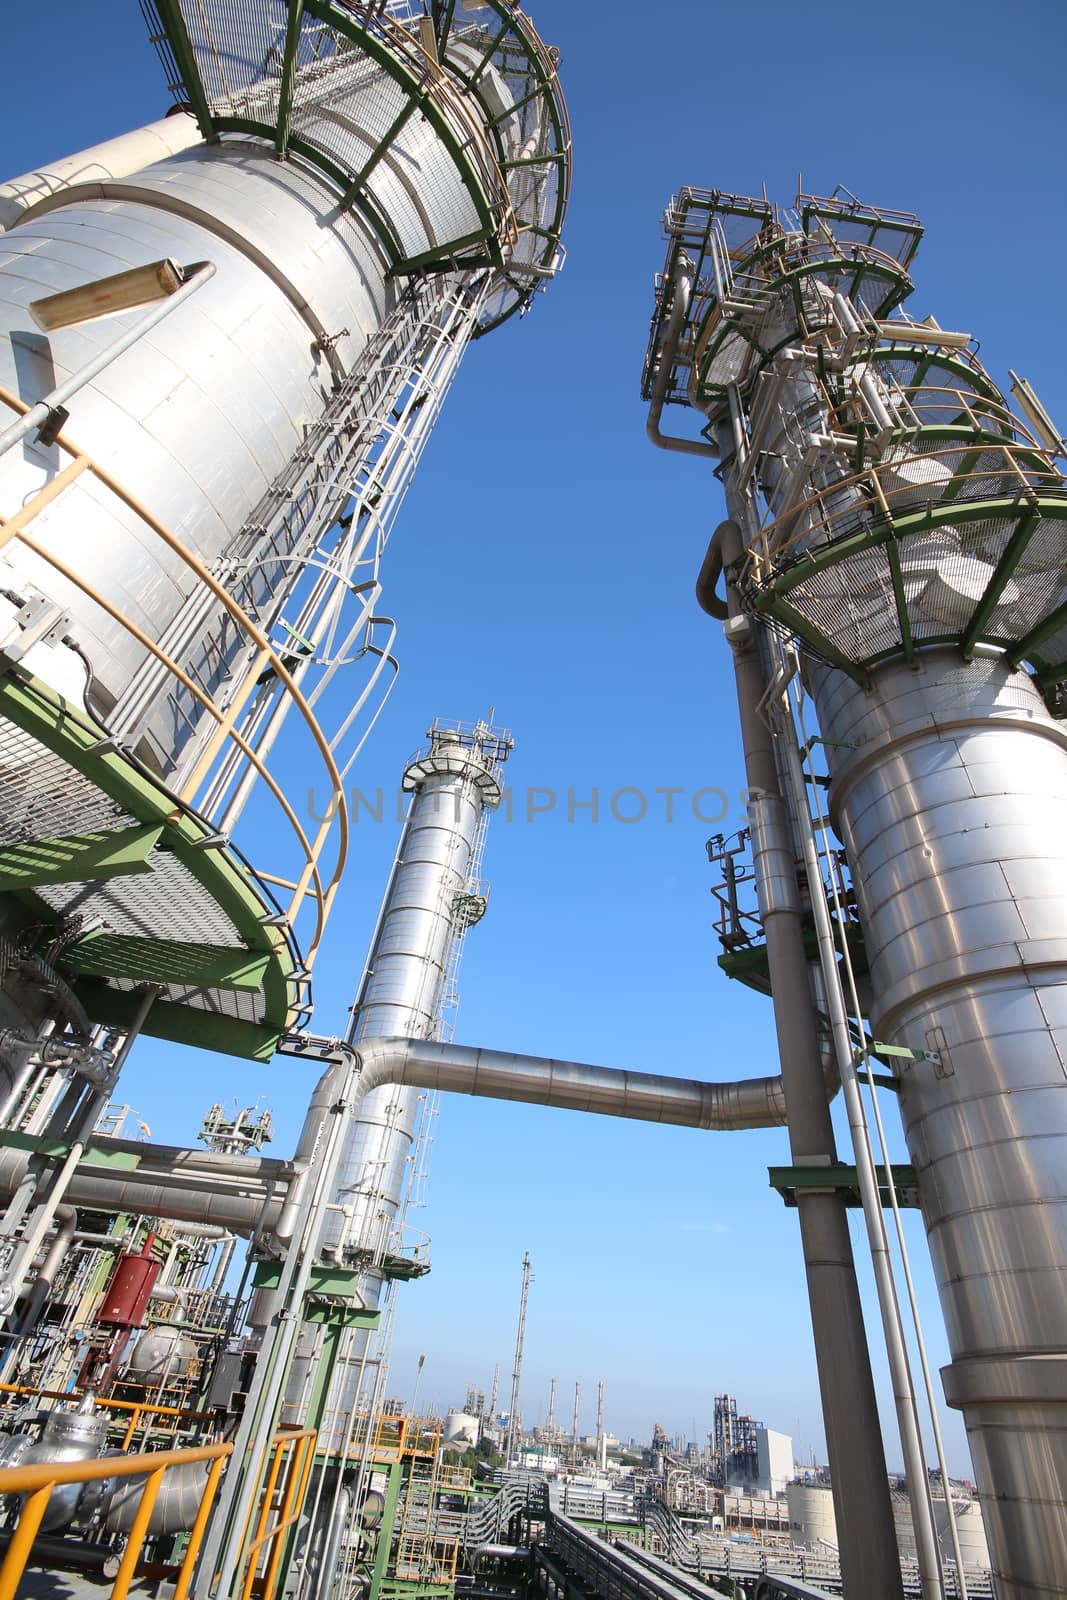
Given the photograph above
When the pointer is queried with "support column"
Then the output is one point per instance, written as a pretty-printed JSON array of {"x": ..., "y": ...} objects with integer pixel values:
[{"x": 870, "y": 1560}]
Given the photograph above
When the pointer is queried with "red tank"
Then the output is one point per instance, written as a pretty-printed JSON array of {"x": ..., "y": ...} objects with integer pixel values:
[{"x": 128, "y": 1292}]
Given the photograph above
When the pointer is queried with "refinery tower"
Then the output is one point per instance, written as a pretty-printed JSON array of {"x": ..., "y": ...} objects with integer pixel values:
[
  {"x": 892, "y": 587},
  {"x": 224, "y": 342}
]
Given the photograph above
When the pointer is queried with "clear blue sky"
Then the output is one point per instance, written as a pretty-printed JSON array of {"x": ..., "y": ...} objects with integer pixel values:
[{"x": 544, "y": 563}]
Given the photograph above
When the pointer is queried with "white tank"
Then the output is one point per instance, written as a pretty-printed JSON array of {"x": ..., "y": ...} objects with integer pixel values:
[
  {"x": 462, "y": 1430},
  {"x": 969, "y": 1527},
  {"x": 160, "y": 1354},
  {"x": 811, "y": 1514}
]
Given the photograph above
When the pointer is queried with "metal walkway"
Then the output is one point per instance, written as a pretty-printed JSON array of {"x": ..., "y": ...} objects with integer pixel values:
[{"x": 572, "y": 1562}]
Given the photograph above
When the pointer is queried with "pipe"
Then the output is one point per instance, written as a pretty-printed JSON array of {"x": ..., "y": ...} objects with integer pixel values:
[
  {"x": 537, "y": 1080},
  {"x": 710, "y": 573},
  {"x": 683, "y": 289},
  {"x": 926, "y": 1547},
  {"x": 869, "y": 1554},
  {"x": 194, "y": 277},
  {"x": 66, "y": 1223},
  {"x": 193, "y": 1187}
]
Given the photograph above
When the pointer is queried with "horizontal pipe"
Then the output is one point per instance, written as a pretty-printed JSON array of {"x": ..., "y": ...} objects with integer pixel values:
[
  {"x": 237, "y": 1192},
  {"x": 570, "y": 1085}
]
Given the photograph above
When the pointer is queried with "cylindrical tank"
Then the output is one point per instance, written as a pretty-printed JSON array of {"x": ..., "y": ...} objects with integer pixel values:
[
  {"x": 427, "y": 903},
  {"x": 811, "y": 1514},
  {"x": 200, "y": 416},
  {"x": 461, "y": 1430},
  {"x": 160, "y": 1354},
  {"x": 970, "y": 1530},
  {"x": 949, "y": 782},
  {"x": 129, "y": 1290}
]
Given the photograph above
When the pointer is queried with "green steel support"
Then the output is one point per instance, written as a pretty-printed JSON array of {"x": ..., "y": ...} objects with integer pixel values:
[
  {"x": 293, "y": 25},
  {"x": 1044, "y": 630},
  {"x": 444, "y": 27},
  {"x": 788, "y": 1180},
  {"x": 200, "y": 1030},
  {"x": 489, "y": 54},
  {"x": 386, "y": 1527},
  {"x": 78, "y": 858},
  {"x": 406, "y": 113},
  {"x": 171, "y": 17},
  {"x": 1013, "y": 554},
  {"x": 768, "y": 603},
  {"x": 900, "y": 597},
  {"x": 113, "y": 955}
]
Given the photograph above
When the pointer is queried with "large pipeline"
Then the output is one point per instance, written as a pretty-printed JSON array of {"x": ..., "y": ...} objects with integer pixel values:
[{"x": 239, "y": 1192}]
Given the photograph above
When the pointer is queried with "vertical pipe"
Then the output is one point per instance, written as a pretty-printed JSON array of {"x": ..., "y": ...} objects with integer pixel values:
[{"x": 870, "y": 1560}]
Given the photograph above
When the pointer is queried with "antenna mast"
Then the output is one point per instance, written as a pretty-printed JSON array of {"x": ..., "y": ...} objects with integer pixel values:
[{"x": 516, "y": 1376}]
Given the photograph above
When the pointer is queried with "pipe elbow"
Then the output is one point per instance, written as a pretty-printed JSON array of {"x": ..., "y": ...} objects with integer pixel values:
[{"x": 710, "y": 572}]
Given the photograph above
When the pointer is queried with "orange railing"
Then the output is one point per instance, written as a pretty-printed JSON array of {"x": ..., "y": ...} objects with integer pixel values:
[
  {"x": 266, "y": 1544},
  {"x": 283, "y": 1493},
  {"x": 136, "y": 1410},
  {"x": 36, "y": 1483}
]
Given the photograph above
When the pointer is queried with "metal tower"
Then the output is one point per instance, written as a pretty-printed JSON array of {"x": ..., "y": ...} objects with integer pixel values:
[
  {"x": 901, "y": 534},
  {"x": 514, "y": 1433},
  {"x": 435, "y": 895},
  {"x": 247, "y": 318}
]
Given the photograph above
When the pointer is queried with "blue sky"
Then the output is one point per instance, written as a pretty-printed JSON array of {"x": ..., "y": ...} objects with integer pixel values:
[{"x": 544, "y": 563}]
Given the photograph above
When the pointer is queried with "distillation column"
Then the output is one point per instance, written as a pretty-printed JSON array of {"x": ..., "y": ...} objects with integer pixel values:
[
  {"x": 224, "y": 341},
  {"x": 909, "y": 531},
  {"x": 433, "y": 897}
]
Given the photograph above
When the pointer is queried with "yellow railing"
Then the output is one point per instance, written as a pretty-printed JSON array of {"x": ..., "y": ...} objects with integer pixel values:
[
  {"x": 266, "y": 1544},
  {"x": 311, "y": 879},
  {"x": 291, "y": 1448},
  {"x": 137, "y": 1410},
  {"x": 37, "y": 1482}
]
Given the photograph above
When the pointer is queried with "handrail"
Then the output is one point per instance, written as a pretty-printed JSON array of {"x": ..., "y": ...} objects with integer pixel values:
[
  {"x": 1014, "y": 458},
  {"x": 293, "y": 1494},
  {"x": 310, "y": 879},
  {"x": 37, "y": 1482}
]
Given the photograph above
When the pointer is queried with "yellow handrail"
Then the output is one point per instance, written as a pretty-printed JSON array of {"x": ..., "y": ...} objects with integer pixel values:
[{"x": 37, "y": 1482}]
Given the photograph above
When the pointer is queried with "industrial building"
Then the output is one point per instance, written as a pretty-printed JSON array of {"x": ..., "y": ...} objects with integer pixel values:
[{"x": 225, "y": 342}]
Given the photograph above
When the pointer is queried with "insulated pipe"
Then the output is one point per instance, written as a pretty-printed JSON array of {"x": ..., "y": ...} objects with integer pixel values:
[
  {"x": 870, "y": 1561},
  {"x": 66, "y": 1223},
  {"x": 230, "y": 1193},
  {"x": 543, "y": 1081},
  {"x": 683, "y": 289}
]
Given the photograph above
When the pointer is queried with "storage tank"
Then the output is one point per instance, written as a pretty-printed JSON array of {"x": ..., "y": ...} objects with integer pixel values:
[
  {"x": 970, "y": 1529},
  {"x": 811, "y": 1514},
  {"x": 462, "y": 1431},
  {"x": 160, "y": 1355}
]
